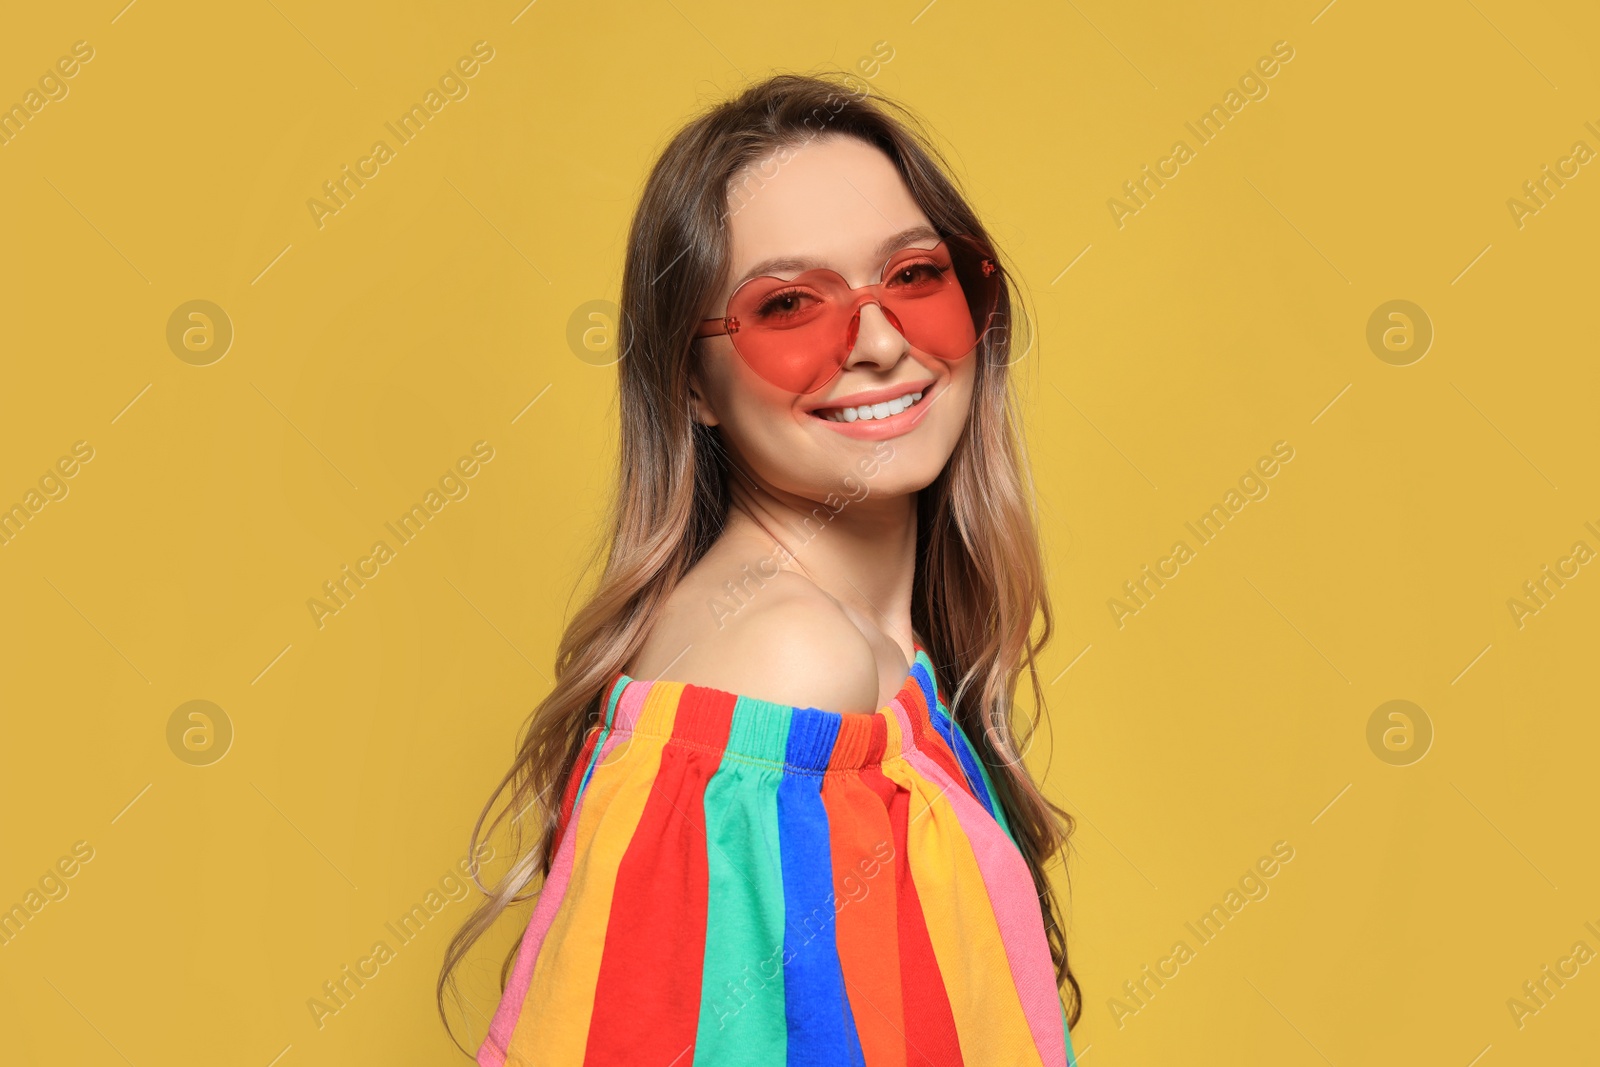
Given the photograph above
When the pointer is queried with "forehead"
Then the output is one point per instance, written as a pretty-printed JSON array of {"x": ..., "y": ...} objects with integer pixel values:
[{"x": 833, "y": 200}]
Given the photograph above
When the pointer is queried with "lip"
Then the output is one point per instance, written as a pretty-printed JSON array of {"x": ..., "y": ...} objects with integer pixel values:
[{"x": 878, "y": 429}]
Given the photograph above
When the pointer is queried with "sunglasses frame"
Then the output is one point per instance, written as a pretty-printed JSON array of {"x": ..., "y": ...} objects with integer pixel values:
[{"x": 983, "y": 259}]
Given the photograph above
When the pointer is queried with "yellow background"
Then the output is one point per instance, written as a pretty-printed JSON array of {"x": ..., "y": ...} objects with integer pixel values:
[{"x": 369, "y": 354}]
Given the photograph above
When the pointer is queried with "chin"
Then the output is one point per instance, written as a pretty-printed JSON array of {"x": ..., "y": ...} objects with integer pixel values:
[{"x": 904, "y": 465}]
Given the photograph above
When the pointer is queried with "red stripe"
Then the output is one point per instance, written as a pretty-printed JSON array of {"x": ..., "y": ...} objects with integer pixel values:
[
  {"x": 927, "y": 739},
  {"x": 647, "y": 997},
  {"x": 931, "y": 1039}
]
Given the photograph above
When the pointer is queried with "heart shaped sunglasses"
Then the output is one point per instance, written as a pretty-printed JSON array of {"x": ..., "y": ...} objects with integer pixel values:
[{"x": 797, "y": 332}]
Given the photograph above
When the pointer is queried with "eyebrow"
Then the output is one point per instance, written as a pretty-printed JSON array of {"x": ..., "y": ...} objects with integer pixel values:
[{"x": 886, "y": 248}]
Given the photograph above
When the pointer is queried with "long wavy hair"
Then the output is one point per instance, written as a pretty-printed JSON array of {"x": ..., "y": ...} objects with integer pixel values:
[{"x": 979, "y": 582}]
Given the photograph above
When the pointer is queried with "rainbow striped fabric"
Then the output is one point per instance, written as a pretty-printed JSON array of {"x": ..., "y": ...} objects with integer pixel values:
[{"x": 743, "y": 883}]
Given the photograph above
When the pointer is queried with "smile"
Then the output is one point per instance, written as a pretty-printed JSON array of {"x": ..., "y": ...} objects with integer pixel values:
[
  {"x": 880, "y": 414},
  {"x": 868, "y": 412}
]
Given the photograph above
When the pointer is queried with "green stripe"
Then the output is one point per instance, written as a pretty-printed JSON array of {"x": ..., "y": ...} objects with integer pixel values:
[
  {"x": 1072, "y": 1057},
  {"x": 742, "y": 1003}
]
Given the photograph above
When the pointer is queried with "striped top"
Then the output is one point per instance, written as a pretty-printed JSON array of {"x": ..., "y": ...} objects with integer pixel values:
[
  {"x": 742, "y": 882},
  {"x": 804, "y": 739}
]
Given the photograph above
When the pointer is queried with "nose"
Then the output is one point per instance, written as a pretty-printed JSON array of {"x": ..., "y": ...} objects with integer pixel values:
[{"x": 877, "y": 342}]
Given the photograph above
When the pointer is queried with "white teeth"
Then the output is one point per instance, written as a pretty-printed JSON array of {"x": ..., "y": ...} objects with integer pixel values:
[{"x": 867, "y": 412}]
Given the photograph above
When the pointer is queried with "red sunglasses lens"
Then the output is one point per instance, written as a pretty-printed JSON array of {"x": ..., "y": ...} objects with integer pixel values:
[
  {"x": 923, "y": 289},
  {"x": 793, "y": 333},
  {"x": 797, "y": 333}
]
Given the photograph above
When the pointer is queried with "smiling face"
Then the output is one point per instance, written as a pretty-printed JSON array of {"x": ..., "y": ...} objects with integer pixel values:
[{"x": 838, "y": 203}]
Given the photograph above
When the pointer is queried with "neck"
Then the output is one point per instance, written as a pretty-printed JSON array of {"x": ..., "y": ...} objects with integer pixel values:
[{"x": 857, "y": 546}]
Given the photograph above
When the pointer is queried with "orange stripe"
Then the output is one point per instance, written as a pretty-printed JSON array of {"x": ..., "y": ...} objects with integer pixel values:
[{"x": 862, "y": 848}]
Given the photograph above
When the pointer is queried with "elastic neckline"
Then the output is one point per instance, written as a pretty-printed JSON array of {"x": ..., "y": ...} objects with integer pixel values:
[{"x": 806, "y": 740}]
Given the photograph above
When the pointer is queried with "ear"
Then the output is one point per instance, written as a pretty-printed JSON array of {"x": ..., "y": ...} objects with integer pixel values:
[{"x": 699, "y": 406}]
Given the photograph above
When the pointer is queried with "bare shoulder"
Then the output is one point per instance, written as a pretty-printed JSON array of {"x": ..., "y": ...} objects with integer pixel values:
[{"x": 783, "y": 641}]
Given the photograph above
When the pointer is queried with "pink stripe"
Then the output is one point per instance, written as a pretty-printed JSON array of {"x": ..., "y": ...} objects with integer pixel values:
[
  {"x": 631, "y": 703},
  {"x": 1013, "y": 898},
  {"x": 492, "y": 1053}
]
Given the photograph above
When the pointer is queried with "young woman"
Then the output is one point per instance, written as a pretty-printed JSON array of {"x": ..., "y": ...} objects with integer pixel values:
[{"x": 785, "y": 817}]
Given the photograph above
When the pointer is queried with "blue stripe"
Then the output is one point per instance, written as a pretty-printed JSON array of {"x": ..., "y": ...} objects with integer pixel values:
[
  {"x": 821, "y": 1027},
  {"x": 930, "y": 692},
  {"x": 945, "y": 727},
  {"x": 957, "y": 740},
  {"x": 599, "y": 742}
]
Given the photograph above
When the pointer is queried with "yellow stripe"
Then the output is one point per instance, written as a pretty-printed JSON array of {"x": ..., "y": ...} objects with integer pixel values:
[
  {"x": 893, "y": 742},
  {"x": 553, "y": 1027},
  {"x": 966, "y": 938}
]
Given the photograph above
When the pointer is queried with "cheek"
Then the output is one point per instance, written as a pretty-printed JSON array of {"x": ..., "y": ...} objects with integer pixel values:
[
  {"x": 746, "y": 403},
  {"x": 964, "y": 375},
  {"x": 757, "y": 421},
  {"x": 954, "y": 409}
]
